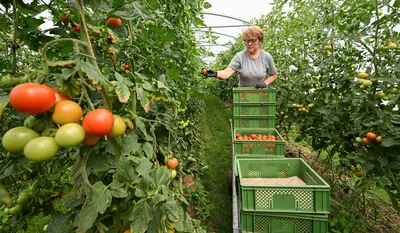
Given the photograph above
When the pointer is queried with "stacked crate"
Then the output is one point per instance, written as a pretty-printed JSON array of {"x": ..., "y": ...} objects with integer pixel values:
[{"x": 265, "y": 206}]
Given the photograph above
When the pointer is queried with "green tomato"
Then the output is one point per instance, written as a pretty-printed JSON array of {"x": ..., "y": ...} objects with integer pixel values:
[
  {"x": 41, "y": 149},
  {"x": 354, "y": 66},
  {"x": 393, "y": 90},
  {"x": 6, "y": 211},
  {"x": 5, "y": 81},
  {"x": 173, "y": 174},
  {"x": 118, "y": 128},
  {"x": 380, "y": 95},
  {"x": 367, "y": 83},
  {"x": 149, "y": 23},
  {"x": 358, "y": 139},
  {"x": 36, "y": 124},
  {"x": 45, "y": 227},
  {"x": 15, "y": 139},
  {"x": 22, "y": 198},
  {"x": 16, "y": 209},
  {"x": 70, "y": 135}
]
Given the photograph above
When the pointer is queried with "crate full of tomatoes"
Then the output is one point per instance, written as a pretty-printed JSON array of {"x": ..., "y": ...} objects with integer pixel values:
[{"x": 259, "y": 142}]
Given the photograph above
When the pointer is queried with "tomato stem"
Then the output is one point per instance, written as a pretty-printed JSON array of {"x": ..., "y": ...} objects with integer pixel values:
[{"x": 14, "y": 43}]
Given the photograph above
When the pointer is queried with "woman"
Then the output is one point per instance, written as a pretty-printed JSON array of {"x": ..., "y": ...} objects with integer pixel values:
[{"x": 253, "y": 64}]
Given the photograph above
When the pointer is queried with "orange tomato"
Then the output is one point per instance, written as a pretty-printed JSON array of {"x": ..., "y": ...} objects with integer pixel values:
[
  {"x": 91, "y": 140},
  {"x": 371, "y": 136},
  {"x": 114, "y": 22},
  {"x": 253, "y": 136},
  {"x": 67, "y": 111},
  {"x": 127, "y": 231},
  {"x": 379, "y": 139},
  {"x": 365, "y": 141},
  {"x": 237, "y": 135}
]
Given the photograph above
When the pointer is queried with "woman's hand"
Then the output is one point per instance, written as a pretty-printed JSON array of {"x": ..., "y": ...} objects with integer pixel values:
[
  {"x": 261, "y": 85},
  {"x": 209, "y": 73}
]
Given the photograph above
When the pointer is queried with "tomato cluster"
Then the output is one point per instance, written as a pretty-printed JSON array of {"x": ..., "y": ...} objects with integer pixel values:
[
  {"x": 265, "y": 137},
  {"x": 369, "y": 137},
  {"x": 34, "y": 140}
]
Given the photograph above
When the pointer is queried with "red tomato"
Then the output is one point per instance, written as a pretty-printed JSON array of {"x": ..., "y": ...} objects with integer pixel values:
[
  {"x": 98, "y": 122},
  {"x": 76, "y": 28},
  {"x": 60, "y": 96},
  {"x": 32, "y": 98},
  {"x": 172, "y": 163},
  {"x": 127, "y": 67},
  {"x": 253, "y": 136},
  {"x": 237, "y": 135}
]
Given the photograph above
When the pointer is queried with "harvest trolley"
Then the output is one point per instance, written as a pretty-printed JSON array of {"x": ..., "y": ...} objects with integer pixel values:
[{"x": 270, "y": 193}]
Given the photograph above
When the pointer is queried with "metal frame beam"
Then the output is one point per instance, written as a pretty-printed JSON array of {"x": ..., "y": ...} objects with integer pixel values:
[{"x": 226, "y": 16}]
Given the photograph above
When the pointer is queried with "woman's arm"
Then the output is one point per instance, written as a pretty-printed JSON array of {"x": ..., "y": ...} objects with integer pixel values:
[
  {"x": 226, "y": 73},
  {"x": 271, "y": 78}
]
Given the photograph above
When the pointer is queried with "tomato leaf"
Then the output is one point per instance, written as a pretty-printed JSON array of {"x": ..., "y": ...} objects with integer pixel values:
[
  {"x": 119, "y": 193},
  {"x": 140, "y": 216},
  {"x": 93, "y": 73},
  {"x": 382, "y": 160},
  {"x": 172, "y": 210},
  {"x": 101, "y": 196},
  {"x": 139, "y": 123},
  {"x": 88, "y": 216},
  {"x": 100, "y": 201},
  {"x": 122, "y": 88},
  {"x": 97, "y": 164},
  {"x": 133, "y": 10},
  {"x": 142, "y": 96},
  {"x": 162, "y": 176},
  {"x": 388, "y": 142},
  {"x": 144, "y": 167},
  {"x": 57, "y": 223},
  {"x": 396, "y": 4},
  {"x": 129, "y": 144},
  {"x": 148, "y": 149},
  {"x": 125, "y": 171},
  {"x": 157, "y": 199},
  {"x": 122, "y": 91},
  {"x": 184, "y": 223},
  {"x": 62, "y": 63}
]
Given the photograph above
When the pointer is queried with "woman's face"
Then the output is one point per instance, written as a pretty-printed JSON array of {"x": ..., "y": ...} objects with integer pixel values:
[{"x": 252, "y": 43}]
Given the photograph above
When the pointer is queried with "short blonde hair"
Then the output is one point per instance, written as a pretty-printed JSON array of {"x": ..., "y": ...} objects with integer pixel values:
[{"x": 253, "y": 31}]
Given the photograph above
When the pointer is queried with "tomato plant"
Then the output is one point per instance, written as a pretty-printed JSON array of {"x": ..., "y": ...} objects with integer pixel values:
[
  {"x": 32, "y": 98},
  {"x": 83, "y": 62}
]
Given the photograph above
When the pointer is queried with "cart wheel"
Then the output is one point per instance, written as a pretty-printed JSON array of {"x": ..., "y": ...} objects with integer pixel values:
[{"x": 230, "y": 182}]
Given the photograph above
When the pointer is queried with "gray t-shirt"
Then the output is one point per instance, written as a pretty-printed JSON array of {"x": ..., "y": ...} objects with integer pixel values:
[{"x": 252, "y": 71}]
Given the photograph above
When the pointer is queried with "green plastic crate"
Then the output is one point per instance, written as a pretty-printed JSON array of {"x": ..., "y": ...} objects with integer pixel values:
[
  {"x": 245, "y": 148},
  {"x": 253, "y": 95},
  {"x": 251, "y": 109},
  {"x": 268, "y": 122},
  {"x": 256, "y": 222},
  {"x": 312, "y": 198}
]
